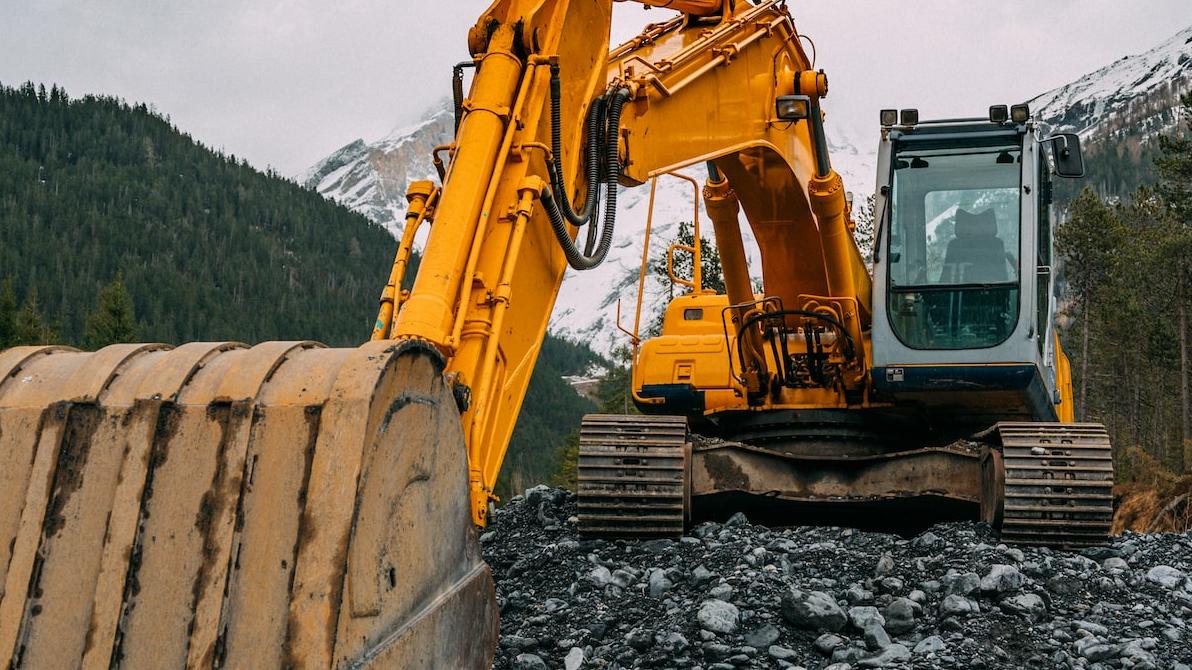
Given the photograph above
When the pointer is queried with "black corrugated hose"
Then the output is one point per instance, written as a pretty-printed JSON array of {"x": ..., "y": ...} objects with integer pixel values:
[{"x": 603, "y": 131}]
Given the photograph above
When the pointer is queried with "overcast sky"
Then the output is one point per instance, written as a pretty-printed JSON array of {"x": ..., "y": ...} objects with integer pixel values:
[{"x": 283, "y": 83}]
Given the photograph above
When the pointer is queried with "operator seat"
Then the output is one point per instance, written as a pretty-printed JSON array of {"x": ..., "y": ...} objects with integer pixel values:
[
  {"x": 976, "y": 255},
  {"x": 977, "y": 317}
]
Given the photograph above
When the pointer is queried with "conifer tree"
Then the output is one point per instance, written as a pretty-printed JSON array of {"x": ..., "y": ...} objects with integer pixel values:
[
  {"x": 8, "y": 314},
  {"x": 1090, "y": 241},
  {"x": 113, "y": 321},
  {"x": 1174, "y": 166},
  {"x": 31, "y": 326}
]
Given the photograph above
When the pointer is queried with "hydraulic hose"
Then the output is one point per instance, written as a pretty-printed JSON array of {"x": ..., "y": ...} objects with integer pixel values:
[
  {"x": 595, "y": 117},
  {"x": 603, "y": 126}
]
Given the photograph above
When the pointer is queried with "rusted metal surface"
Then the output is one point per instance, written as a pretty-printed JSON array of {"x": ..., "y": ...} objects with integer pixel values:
[
  {"x": 949, "y": 472},
  {"x": 219, "y": 506},
  {"x": 1058, "y": 483},
  {"x": 633, "y": 476}
]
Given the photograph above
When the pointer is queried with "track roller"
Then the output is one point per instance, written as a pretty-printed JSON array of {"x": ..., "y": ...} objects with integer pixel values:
[
  {"x": 1058, "y": 484},
  {"x": 633, "y": 476}
]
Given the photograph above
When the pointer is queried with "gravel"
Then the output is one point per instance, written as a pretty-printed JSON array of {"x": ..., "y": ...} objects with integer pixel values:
[{"x": 737, "y": 595}]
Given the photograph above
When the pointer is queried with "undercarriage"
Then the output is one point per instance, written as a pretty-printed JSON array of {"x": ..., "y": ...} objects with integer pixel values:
[{"x": 1044, "y": 484}]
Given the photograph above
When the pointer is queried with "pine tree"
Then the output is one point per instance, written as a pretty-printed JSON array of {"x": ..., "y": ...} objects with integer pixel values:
[
  {"x": 1174, "y": 166},
  {"x": 865, "y": 218},
  {"x": 31, "y": 326},
  {"x": 113, "y": 321},
  {"x": 1089, "y": 240},
  {"x": 8, "y": 314}
]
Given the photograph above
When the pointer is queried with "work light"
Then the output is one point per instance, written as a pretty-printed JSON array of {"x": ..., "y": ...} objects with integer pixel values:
[
  {"x": 910, "y": 117},
  {"x": 1020, "y": 113},
  {"x": 999, "y": 113},
  {"x": 793, "y": 107}
]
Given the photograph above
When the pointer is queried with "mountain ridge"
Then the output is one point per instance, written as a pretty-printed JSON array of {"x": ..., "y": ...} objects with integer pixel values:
[{"x": 1117, "y": 120}]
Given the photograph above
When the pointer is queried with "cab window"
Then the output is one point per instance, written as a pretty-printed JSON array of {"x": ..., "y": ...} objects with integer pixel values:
[{"x": 952, "y": 253}]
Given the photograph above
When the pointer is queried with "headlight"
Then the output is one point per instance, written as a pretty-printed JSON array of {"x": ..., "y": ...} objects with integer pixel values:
[{"x": 793, "y": 107}]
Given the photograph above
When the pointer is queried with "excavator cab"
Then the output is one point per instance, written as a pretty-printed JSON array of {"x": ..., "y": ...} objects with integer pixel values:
[{"x": 963, "y": 295}]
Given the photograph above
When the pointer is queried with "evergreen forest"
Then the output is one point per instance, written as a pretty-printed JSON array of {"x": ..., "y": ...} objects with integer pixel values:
[
  {"x": 1127, "y": 268},
  {"x": 115, "y": 226}
]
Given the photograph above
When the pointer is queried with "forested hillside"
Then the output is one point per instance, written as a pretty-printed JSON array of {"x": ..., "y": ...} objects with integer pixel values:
[
  {"x": 209, "y": 247},
  {"x": 1127, "y": 264},
  {"x": 94, "y": 190}
]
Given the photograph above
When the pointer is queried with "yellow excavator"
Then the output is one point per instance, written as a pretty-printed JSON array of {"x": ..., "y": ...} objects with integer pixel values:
[{"x": 291, "y": 505}]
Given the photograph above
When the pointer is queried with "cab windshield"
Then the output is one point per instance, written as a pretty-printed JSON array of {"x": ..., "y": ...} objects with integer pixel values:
[{"x": 953, "y": 246}]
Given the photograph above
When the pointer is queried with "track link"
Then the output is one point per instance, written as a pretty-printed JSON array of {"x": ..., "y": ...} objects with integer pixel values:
[
  {"x": 1058, "y": 484},
  {"x": 632, "y": 477}
]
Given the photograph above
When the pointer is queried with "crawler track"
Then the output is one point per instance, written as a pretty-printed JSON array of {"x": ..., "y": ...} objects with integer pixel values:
[
  {"x": 633, "y": 476},
  {"x": 1058, "y": 485}
]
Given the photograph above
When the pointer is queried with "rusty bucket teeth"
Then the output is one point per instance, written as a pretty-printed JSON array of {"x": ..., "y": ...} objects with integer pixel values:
[
  {"x": 1058, "y": 484},
  {"x": 214, "y": 505},
  {"x": 633, "y": 476}
]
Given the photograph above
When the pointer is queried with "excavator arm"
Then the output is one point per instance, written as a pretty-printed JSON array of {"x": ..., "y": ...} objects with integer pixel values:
[{"x": 700, "y": 87}]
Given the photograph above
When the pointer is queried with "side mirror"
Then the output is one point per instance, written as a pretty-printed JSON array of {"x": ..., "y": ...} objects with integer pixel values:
[{"x": 1069, "y": 163}]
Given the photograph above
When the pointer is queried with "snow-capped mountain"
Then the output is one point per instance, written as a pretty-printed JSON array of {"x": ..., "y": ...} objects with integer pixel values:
[
  {"x": 1135, "y": 93},
  {"x": 371, "y": 178},
  {"x": 1131, "y": 98}
]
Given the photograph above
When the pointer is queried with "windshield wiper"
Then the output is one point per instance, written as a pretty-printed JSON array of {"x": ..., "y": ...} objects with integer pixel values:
[{"x": 931, "y": 288}]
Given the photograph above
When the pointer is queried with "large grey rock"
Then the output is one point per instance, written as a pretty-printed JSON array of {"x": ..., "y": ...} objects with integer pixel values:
[
  {"x": 876, "y": 637},
  {"x": 827, "y": 643},
  {"x": 857, "y": 595},
  {"x": 659, "y": 584},
  {"x": 574, "y": 660},
  {"x": 813, "y": 610},
  {"x": 931, "y": 645},
  {"x": 701, "y": 575},
  {"x": 863, "y": 616},
  {"x": 927, "y": 540},
  {"x": 1165, "y": 576},
  {"x": 885, "y": 565},
  {"x": 781, "y": 653},
  {"x": 955, "y": 605},
  {"x": 1002, "y": 579},
  {"x": 900, "y": 615},
  {"x": 962, "y": 584},
  {"x": 671, "y": 642},
  {"x": 529, "y": 662},
  {"x": 1115, "y": 563},
  {"x": 721, "y": 592},
  {"x": 718, "y": 616},
  {"x": 1096, "y": 653},
  {"x": 762, "y": 637},
  {"x": 1029, "y": 605},
  {"x": 894, "y": 654},
  {"x": 1094, "y": 628},
  {"x": 600, "y": 576}
]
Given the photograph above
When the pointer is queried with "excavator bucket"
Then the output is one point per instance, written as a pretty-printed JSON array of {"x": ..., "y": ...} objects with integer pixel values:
[{"x": 214, "y": 505}]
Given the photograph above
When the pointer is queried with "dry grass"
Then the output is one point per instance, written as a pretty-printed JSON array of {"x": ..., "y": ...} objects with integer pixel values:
[{"x": 1157, "y": 501}]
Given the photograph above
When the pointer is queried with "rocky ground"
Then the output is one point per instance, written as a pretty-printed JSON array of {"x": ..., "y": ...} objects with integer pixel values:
[{"x": 736, "y": 595}]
